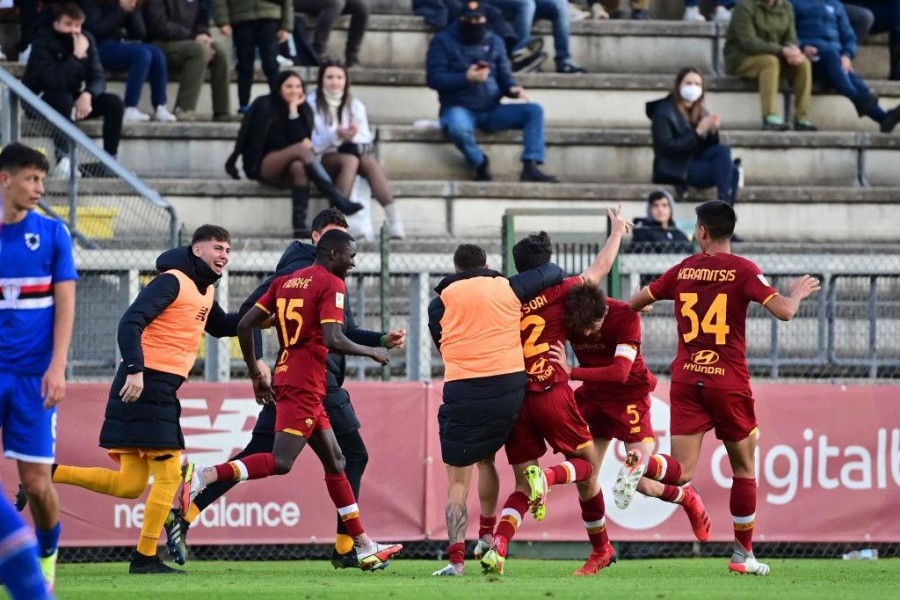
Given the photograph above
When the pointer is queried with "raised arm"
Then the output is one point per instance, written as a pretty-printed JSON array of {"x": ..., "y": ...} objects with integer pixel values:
[
  {"x": 785, "y": 308},
  {"x": 604, "y": 260}
]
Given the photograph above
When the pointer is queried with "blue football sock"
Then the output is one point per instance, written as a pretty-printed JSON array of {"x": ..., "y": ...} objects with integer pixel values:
[
  {"x": 19, "y": 568},
  {"x": 48, "y": 540}
]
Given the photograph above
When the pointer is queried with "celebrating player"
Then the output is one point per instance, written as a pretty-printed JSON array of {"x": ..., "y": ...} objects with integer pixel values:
[
  {"x": 340, "y": 411},
  {"x": 549, "y": 412},
  {"x": 710, "y": 380},
  {"x": 615, "y": 396},
  {"x": 37, "y": 313},
  {"x": 308, "y": 306},
  {"x": 158, "y": 337}
]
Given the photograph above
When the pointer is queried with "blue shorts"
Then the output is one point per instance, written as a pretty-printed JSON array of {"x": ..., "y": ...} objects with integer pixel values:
[{"x": 28, "y": 429}]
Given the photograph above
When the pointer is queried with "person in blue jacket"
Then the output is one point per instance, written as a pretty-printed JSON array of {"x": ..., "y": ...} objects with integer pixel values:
[{"x": 826, "y": 37}]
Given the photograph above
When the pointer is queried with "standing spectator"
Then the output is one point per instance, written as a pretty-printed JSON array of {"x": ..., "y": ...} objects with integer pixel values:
[
  {"x": 64, "y": 70},
  {"x": 119, "y": 29},
  {"x": 886, "y": 15},
  {"x": 254, "y": 24},
  {"x": 343, "y": 139},
  {"x": 326, "y": 13},
  {"x": 686, "y": 148},
  {"x": 275, "y": 148},
  {"x": 468, "y": 68},
  {"x": 722, "y": 14},
  {"x": 827, "y": 39},
  {"x": 761, "y": 44},
  {"x": 657, "y": 232},
  {"x": 179, "y": 29}
]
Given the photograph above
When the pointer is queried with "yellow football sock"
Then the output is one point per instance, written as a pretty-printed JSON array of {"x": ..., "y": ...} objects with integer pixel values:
[
  {"x": 166, "y": 471},
  {"x": 343, "y": 544},
  {"x": 128, "y": 482},
  {"x": 193, "y": 512}
]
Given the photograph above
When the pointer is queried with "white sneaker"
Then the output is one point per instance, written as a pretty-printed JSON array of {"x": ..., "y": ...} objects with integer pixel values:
[
  {"x": 482, "y": 546},
  {"x": 598, "y": 13},
  {"x": 692, "y": 14},
  {"x": 163, "y": 115},
  {"x": 745, "y": 563},
  {"x": 627, "y": 481},
  {"x": 576, "y": 13},
  {"x": 23, "y": 56},
  {"x": 375, "y": 555},
  {"x": 63, "y": 169},
  {"x": 284, "y": 61},
  {"x": 722, "y": 15},
  {"x": 134, "y": 115},
  {"x": 451, "y": 570}
]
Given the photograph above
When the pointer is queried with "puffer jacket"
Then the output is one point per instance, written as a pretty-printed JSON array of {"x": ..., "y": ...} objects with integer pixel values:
[
  {"x": 231, "y": 12},
  {"x": 675, "y": 142},
  {"x": 824, "y": 24},
  {"x": 758, "y": 29}
]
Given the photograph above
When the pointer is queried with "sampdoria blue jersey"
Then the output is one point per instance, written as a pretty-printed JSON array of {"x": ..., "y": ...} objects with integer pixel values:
[{"x": 35, "y": 253}]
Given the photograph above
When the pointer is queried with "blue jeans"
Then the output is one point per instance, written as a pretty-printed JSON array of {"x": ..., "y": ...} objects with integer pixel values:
[
  {"x": 714, "y": 167},
  {"x": 144, "y": 63},
  {"x": 828, "y": 69},
  {"x": 521, "y": 14},
  {"x": 557, "y": 12},
  {"x": 460, "y": 123}
]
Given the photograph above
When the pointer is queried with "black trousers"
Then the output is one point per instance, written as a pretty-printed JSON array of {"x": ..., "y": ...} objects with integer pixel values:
[
  {"x": 109, "y": 107},
  {"x": 352, "y": 446},
  {"x": 247, "y": 37}
]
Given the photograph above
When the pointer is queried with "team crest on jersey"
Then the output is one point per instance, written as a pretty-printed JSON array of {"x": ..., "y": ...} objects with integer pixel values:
[
  {"x": 763, "y": 280},
  {"x": 32, "y": 241},
  {"x": 11, "y": 292},
  {"x": 339, "y": 300}
]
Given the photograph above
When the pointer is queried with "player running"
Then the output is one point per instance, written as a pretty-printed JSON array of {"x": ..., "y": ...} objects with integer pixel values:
[
  {"x": 308, "y": 307},
  {"x": 549, "y": 412},
  {"x": 615, "y": 398},
  {"x": 710, "y": 380}
]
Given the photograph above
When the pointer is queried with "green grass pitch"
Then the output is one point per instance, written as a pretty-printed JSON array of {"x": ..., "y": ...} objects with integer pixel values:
[{"x": 411, "y": 579}]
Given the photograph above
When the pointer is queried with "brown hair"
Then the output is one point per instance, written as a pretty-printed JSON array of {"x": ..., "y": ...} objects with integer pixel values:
[
  {"x": 206, "y": 233},
  {"x": 696, "y": 111},
  {"x": 68, "y": 9},
  {"x": 346, "y": 98},
  {"x": 585, "y": 305}
]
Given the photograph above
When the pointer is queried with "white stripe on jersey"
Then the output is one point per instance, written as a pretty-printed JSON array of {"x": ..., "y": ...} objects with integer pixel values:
[
  {"x": 23, "y": 281},
  {"x": 45, "y": 302}
]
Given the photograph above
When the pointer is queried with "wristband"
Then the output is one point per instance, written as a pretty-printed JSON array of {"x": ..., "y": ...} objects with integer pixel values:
[{"x": 383, "y": 341}]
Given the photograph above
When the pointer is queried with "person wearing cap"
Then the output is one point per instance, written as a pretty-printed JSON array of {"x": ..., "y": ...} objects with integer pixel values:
[{"x": 468, "y": 67}]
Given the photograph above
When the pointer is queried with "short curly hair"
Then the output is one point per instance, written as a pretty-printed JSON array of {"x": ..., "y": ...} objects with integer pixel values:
[
  {"x": 532, "y": 251},
  {"x": 585, "y": 305}
]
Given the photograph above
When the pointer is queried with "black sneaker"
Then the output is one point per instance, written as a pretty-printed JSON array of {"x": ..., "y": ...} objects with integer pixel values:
[
  {"x": 151, "y": 565},
  {"x": 804, "y": 125},
  {"x": 569, "y": 68},
  {"x": 640, "y": 14},
  {"x": 531, "y": 48},
  {"x": 21, "y": 498},
  {"x": 530, "y": 64},
  {"x": 483, "y": 171},
  {"x": 177, "y": 528},
  {"x": 96, "y": 169},
  {"x": 344, "y": 561},
  {"x": 531, "y": 172},
  {"x": 890, "y": 120}
]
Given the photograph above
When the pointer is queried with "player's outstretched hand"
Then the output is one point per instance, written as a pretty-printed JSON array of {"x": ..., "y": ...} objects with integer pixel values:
[
  {"x": 380, "y": 355},
  {"x": 262, "y": 389},
  {"x": 805, "y": 286},
  {"x": 558, "y": 357},
  {"x": 619, "y": 222},
  {"x": 395, "y": 339},
  {"x": 53, "y": 386},
  {"x": 133, "y": 388}
]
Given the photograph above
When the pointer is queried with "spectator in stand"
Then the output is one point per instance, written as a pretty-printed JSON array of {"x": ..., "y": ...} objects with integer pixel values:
[
  {"x": 326, "y": 13},
  {"x": 467, "y": 66},
  {"x": 120, "y": 30},
  {"x": 254, "y": 25},
  {"x": 861, "y": 20},
  {"x": 686, "y": 148},
  {"x": 722, "y": 14},
  {"x": 657, "y": 232},
  {"x": 761, "y": 44},
  {"x": 64, "y": 70},
  {"x": 275, "y": 148},
  {"x": 178, "y": 27},
  {"x": 827, "y": 39},
  {"x": 344, "y": 141},
  {"x": 523, "y": 14},
  {"x": 639, "y": 10},
  {"x": 886, "y": 15}
]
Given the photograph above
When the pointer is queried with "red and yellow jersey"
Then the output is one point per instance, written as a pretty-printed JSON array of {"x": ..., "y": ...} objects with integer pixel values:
[
  {"x": 711, "y": 294},
  {"x": 541, "y": 327},
  {"x": 620, "y": 336},
  {"x": 301, "y": 302}
]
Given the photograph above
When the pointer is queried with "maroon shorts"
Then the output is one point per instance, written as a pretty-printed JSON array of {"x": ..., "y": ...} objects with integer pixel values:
[
  {"x": 550, "y": 416},
  {"x": 299, "y": 411},
  {"x": 697, "y": 409},
  {"x": 627, "y": 420}
]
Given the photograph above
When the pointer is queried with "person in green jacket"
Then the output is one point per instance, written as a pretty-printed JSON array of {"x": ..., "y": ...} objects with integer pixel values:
[
  {"x": 761, "y": 44},
  {"x": 253, "y": 24}
]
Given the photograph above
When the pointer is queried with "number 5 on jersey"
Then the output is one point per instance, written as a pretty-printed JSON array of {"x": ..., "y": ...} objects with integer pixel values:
[
  {"x": 713, "y": 322},
  {"x": 289, "y": 314}
]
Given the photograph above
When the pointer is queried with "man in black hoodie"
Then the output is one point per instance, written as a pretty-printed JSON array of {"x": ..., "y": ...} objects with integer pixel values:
[
  {"x": 337, "y": 404},
  {"x": 64, "y": 70},
  {"x": 158, "y": 337}
]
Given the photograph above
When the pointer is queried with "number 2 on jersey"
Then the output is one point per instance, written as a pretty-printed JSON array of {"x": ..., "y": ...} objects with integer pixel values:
[
  {"x": 713, "y": 321},
  {"x": 288, "y": 313},
  {"x": 531, "y": 347}
]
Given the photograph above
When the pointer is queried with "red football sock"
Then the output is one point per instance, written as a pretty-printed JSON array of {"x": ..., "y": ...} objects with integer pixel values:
[
  {"x": 511, "y": 515},
  {"x": 255, "y": 466},
  {"x": 664, "y": 468},
  {"x": 457, "y": 553},
  {"x": 593, "y": 514},
  {"x": 486, "y": 525},
  {"x": 569, "y": 471},
  {"x": 672, "y": 493},
  {"x": 743, "y": 510},
  {"x": 342, "y": 495}
]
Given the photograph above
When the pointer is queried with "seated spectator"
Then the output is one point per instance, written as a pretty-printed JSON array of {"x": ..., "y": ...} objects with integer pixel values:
[
  {"x": 326, "y": 13},
  {"x": 468, "y": 68},
  {"x": 657, "y": 232},
  {"x": 344, "y": 141},
  {"x": 119, "y": 30},
  {"x": 523, "y": 14},
  {"x": 179, "y": 28},
  {"x": 599, "y": 12},
  {"x": 827, "y": 39},
  {"x": 686, "y": 148},
  {"x": 254, "y": 25},
  {"x": 861, "y": 20},
  {"x": 886, "y": 14},
  {"x": 275, "y": 148},
  {"x": 722, "y": 14},
  {"x": 64, "y": 70},
  {"x": 761, "y": 44}
]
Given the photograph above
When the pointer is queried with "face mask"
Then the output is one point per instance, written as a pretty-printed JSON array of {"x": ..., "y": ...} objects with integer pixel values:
[
  {"x": 690, "y": 93},
  {"x": 471, "y": 33}
]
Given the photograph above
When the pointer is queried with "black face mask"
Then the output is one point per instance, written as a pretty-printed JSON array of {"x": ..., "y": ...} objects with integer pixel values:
[
  {"x": 66, "y": 39},
  {"x": 471, "y": 33}
]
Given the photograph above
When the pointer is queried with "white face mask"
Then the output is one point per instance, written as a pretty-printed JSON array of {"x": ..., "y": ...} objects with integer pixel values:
[{"x": 690, "y": 92}]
